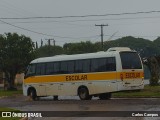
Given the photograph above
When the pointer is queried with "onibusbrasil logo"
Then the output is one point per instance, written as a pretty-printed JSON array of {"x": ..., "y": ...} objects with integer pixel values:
[{"x": 21, "y": 114}]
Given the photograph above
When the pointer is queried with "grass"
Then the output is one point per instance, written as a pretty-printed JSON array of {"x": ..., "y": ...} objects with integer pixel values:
[
  {"x": 147, "y": 92},
  {"x": 9, "y": 93},
  {"x": 8, "y": 110}
]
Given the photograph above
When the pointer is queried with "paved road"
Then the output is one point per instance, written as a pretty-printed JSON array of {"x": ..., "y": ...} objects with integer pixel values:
[{"x": 74, "y": 104}]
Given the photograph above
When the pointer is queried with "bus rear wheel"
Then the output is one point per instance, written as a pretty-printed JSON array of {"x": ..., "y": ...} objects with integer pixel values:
[
  {"x": 105, "y": 96},
  {"x": 84, "y": 94}
]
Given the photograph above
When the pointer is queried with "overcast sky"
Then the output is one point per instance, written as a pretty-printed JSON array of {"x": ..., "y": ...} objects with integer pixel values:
[{"x": 77, "y": 29}]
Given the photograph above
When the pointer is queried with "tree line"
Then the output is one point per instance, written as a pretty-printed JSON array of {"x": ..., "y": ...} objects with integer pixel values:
[
  {"x": 16, "y": 51},
  {"x": 144, "y": 47}
]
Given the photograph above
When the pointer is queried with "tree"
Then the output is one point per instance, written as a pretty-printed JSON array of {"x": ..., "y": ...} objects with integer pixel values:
[
  {"x": 48, "y": 50},
  {"x": 78, "y": 48},
  {"x": 144, "y": 47},
  {"x": 153, "y": 65},
  {"x": 15, "y": 54},
  {"x": 157, "y": 41}
]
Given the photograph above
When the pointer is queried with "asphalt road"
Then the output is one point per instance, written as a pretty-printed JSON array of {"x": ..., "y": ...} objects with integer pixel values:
[{"x": 117, "y": 105}]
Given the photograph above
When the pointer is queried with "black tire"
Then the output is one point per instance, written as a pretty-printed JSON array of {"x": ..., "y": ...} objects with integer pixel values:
[
  {"x": 84, "y": 94},
  {"x": 55, "y": 97},
  {"x": 90, "y": 97},
  {"x": 32, "y": 94},
  {"x": 105, "y": 96}
]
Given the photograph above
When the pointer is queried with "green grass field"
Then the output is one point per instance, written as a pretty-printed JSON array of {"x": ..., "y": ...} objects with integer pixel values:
[
  {"x": 4, "y": 93},
  {"x": 147, "y": 92}
]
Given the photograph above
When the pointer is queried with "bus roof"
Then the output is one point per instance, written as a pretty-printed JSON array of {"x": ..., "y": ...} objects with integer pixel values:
[
  {"x": 111, "y": 53},
  {"x": 118, "y": 49}
]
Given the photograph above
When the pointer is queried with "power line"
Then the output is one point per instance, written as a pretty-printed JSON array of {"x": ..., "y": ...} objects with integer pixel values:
[
  {"x": 25, "y": 28},
  {"x": 68, "y": 22},
  {"x": 63, "y": 36},
  {"x": 43, "y": 33},
  {"x": 128, "y": 18},
  {"x": 34, "y": 31},
  {"x": 85, "y": 16}
]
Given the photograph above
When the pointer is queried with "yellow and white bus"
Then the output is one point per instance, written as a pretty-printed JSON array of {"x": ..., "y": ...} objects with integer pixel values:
[{"x": 86, "y": 75}]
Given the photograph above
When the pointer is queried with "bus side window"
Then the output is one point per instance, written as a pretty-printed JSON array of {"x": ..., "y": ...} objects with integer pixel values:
[
  {"x": 86, "y": 66},
  {"x": 111, "y": 64},
  {"x": 78, "y": 66},
  {"x": 63, "y": 67},
  {"x": 98, "y": 65},
  {"x": 70, "y": 66},
  {"x": 94, "y": 65},
  {"x": 102, "y": 65},
  {"x": 56, "y": 66},
  {"x": 40, "y": 69},
  {"x": 49, "y": 68}
]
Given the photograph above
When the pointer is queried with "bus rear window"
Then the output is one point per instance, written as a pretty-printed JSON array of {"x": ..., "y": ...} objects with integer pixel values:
[{"x": 130, "y": 60}]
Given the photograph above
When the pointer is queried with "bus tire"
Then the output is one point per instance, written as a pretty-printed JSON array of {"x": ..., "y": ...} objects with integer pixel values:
[
  {"x": 90, "y": 97},
  {"x": 105, "y": 96},
  {"x": 32, "y": 94},
  {"x": 83, "y": 93},
  {"x": 55, "y": 97}
]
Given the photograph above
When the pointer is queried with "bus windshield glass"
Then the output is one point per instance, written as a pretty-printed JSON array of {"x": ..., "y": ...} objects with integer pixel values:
[
  {"x": 130, "y": 60},
  {"x": 30, "y": 70}
]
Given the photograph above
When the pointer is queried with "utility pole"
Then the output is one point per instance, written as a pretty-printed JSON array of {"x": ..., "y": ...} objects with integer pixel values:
[
  {"x": 49, "y": 46},
  {"x": 54, "y": 42},
  {"x": 102, "y": 25},
  {"x": 49, "y": 42},
  {"x": 36, "y": 45},
  {"x": 41, "y": 42}
]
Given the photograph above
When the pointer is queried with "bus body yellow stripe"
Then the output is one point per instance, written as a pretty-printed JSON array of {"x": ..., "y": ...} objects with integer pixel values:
[{"x": 85, "y": 77}]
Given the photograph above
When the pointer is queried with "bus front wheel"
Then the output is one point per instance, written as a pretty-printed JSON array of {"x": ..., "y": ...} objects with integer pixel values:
[
  {"x": 84, "y": 94},
  {"x": 32, "y": 94}
]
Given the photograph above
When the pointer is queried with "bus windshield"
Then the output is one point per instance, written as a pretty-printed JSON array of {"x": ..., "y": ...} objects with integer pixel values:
[
  {"x": 130, "y": 60},
  {"x": 30, "y": 70}
]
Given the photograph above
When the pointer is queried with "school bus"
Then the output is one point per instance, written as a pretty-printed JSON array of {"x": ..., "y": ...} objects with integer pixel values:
[{"x": 86, "y": 75}]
